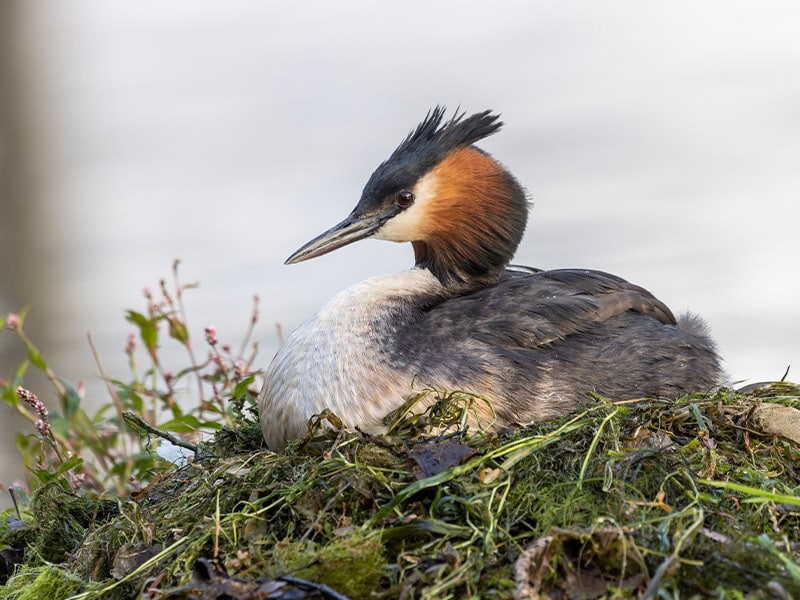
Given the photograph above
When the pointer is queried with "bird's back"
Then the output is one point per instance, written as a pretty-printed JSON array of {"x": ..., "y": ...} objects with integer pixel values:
[{"x": 537, "y": 343}]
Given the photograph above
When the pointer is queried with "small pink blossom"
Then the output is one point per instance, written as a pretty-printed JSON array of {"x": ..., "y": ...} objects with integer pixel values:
[
  {"x": 148, "y": 293},
  {"x": 26, "y": 395},
  {"x": 217, "y": 395},
  {"x": 211, "y": 335},
  {"x": 239, "y": 369},
  {"x": 226, "y": 348},
  {"x": 168, "y": 376},
  {"x": 32, "y": 400},
  {"x": 76, "y": 480},
  {"x": 256, "y": 301},
  {"x": 130, "y": 345},
  {"x": 12, "y": 321},
  {"x": 42, "y": 427}
]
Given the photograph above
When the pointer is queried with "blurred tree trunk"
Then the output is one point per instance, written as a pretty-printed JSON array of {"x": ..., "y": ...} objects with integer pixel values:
[{"x": 24, "y": 264}]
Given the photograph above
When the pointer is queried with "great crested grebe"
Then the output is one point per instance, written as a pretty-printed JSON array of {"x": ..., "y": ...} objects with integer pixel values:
[{"x": 534, "y": 343}]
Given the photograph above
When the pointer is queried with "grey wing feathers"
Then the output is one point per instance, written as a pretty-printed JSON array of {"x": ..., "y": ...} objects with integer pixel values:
[
  {"x": 532, "y": 309},
  {"x": 538, "y": 342}
]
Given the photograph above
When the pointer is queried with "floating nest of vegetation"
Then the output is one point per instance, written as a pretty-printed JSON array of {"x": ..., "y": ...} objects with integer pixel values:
[{"x": 694, "y": 498}]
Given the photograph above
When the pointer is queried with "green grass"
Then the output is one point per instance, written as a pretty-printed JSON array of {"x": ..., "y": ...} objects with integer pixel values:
[{"x": 654, "y": 499}]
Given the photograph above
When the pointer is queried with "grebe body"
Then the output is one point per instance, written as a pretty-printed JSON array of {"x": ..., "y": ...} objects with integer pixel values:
[{"x": 534, "y": 343}]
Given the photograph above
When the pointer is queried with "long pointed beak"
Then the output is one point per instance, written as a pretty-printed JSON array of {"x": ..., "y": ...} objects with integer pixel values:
[{"x": 352, "y": 229}]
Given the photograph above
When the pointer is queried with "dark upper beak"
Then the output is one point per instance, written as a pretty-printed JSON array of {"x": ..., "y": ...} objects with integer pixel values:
[{"x": 353, "y": 228}]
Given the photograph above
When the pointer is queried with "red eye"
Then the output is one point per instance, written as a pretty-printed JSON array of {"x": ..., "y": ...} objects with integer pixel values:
[{"x": 404, "y": 199}]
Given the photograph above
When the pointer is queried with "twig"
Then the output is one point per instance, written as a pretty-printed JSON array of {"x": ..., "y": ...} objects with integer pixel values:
[
  {"x": 111, "y": 391},
  {"x": 253, "y": 321},
  {"x": 139, "y": 424},
  {"x": 49, "y": 373},
  {"x": 14, "y": 500},
  {"x": 182, "y": 312}
]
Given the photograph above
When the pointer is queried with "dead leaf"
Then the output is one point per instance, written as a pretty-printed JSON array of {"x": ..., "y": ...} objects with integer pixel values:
[
  {"x": 434, "y": 457},
  {"x": 130, "y": 557}
]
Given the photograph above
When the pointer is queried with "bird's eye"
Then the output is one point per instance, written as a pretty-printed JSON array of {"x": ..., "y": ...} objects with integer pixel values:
[{"x": 404, "y": 199}]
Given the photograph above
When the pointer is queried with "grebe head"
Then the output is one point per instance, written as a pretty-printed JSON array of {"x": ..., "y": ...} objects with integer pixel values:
[{"x": 463, "y": 212}]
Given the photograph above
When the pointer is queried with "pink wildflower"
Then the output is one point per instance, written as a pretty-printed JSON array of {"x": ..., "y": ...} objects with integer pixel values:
[
  {"x": 254, "y": 318},
  {"x": 217, "y": 395},
  {"x": 32, "y": 400},
  {"x": 130, "y": 345},
  {"x": 76, "y": 480},
  {"x": 239, "y": 369},
  {"x": 42, "y": 427},
  {"x": 12, "y": 321},
  {"x": 211, "y": 335}
]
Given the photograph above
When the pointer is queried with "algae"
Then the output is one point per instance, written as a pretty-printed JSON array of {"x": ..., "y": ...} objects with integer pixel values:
[
  {"x": 43, "y": 583},
  {"x": 676, "y": 499}
]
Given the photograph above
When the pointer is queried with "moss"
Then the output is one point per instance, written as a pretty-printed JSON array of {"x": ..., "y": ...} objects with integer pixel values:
[
  {"x": 63, "y": 519},
  {"x": 45, "y": 582},
  {"x": 353, "y": 565},
  {"x": 674, "y": 499},
  {"x": 16, "y": 532}
]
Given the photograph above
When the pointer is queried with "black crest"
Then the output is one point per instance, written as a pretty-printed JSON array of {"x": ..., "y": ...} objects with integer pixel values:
[
  {"x": 431, "y": 138},
  {"x": 425, "y": 147}
]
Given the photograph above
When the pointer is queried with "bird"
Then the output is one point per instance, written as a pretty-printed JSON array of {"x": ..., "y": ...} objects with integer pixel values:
[{"x": 536, "y": 344}]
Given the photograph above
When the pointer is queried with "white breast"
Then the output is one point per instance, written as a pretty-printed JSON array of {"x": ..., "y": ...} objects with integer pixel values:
[{"x": 336, "y": 359}]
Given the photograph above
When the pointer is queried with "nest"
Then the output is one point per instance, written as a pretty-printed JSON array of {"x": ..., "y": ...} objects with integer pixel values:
[{"x": 650, "y": 499}]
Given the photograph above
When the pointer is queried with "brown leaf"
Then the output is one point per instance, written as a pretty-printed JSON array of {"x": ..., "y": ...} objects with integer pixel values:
[{"x": 433, "y": 458}]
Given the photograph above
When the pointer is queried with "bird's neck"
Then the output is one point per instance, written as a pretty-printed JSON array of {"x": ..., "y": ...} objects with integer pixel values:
[{"x": 476, "y": 223}]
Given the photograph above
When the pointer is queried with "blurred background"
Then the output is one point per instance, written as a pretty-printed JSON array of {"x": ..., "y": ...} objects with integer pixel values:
[{"x": 658, "y": 142}]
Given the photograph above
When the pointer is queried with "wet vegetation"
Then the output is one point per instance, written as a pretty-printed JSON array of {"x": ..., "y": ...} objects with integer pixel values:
[{"x": 697, "y": 497}]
